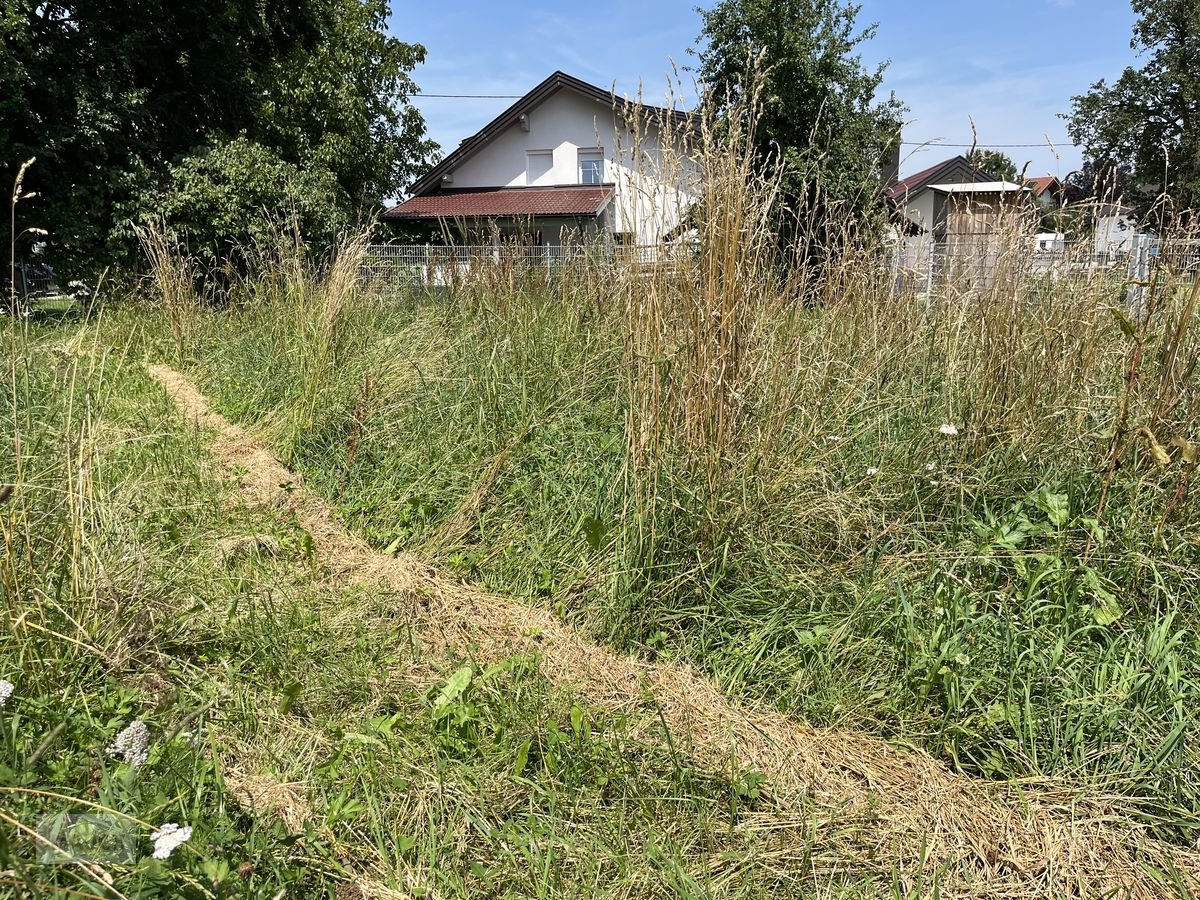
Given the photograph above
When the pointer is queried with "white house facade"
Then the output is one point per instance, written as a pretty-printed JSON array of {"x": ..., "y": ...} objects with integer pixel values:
[{"x": 568, "y": 161}]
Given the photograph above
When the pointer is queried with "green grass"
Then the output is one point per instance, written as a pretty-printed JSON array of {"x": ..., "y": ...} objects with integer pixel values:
[
  {"x": 1006, "y": 598},
  {"x": 976, "y": 608},
  {"x": 450, "y": 778}
]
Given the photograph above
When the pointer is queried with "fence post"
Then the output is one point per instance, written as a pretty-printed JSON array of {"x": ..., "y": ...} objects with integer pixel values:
[
  {"x": 931, "y": 248},
  {"x": 1139, "y": 273}
]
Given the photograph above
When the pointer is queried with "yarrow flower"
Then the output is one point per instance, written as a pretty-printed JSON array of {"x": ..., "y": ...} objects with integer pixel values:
[
  {"x": 168, "y": 837},
  {"x": 6, "y": 690},
  {"x": 962, "y": 660},
  {"x": 930, "y": 467},
  {"x": 949, "y": 430},
  {"x": 132, "y": 744},
  {"x": 872, "y": 470}
]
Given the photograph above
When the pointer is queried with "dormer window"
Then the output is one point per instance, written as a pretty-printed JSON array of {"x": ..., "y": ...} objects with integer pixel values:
[{"x": 591, "y": 167}]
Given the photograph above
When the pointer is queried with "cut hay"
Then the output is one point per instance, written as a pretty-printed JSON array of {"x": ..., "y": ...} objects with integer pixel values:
[{"x": 888, "y": 809}]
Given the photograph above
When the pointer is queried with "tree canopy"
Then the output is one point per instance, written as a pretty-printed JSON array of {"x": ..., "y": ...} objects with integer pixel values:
[
  {"x": 995, "y": 163},
  {"x": 819, "y": 106},
  {"x": 119, "y": 99},
  {"x": 1148, "y": 120}
]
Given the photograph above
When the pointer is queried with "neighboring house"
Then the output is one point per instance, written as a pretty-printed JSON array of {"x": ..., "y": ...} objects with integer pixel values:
[
  {"x": 920, "y": 205},
  {"x": 1046, "y": 190},
  {"x": 1115, "y": 229},
  {"x": 568, "y": 161}
]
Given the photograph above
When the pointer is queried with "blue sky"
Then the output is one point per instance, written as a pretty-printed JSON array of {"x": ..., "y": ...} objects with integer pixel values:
[{"x": 1011, "y": 66}]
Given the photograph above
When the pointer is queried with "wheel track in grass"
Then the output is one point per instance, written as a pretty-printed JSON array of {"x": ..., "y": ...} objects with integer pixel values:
[{"x": 882, "y": 809}]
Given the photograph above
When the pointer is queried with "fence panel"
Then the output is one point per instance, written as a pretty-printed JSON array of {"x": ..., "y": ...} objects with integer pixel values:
[
  {"x": 432, "y": 265},
  {"x": 930, "y": 267}
]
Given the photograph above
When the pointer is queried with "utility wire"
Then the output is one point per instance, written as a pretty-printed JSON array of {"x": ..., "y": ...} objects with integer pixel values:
[
  {"x": 472, "y": 96},
  {"x": 981, "y": 145}
]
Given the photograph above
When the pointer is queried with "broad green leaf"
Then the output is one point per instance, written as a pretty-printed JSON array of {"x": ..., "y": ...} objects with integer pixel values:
[
  {"x": 522, "y": 758},
  {"x": 454, "y": 687}
]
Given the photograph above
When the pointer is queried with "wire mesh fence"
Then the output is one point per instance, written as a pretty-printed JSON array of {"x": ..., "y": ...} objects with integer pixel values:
[
  {"x": 917, "y": 264},
  {"x": 931, "y": 267},
  {"x": 27, "y": 280},
  {"x": 434, "y": 265}
]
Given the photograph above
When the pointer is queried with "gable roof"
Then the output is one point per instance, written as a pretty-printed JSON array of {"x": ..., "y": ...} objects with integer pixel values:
[
  {"x": 1040, "y": 185},
  {"x": 432, "y": 179},
  {"x": 933, "y": 175},
  {"x": 504, "y": 203}
]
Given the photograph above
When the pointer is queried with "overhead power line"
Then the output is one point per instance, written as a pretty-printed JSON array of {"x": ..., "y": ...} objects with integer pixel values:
[
  {"x": 472, "y": 96},
  {"x": 982, "y": 145}
]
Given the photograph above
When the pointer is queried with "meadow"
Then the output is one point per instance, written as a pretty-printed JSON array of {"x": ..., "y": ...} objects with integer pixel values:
[{"x": 946, "y": 536}]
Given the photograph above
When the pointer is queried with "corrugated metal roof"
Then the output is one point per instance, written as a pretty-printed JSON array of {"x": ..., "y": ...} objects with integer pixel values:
[{"x": 505, "y": 203}]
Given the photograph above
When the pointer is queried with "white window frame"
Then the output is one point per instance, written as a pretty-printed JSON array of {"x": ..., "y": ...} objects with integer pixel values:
[{"x": 591, "y": 155}]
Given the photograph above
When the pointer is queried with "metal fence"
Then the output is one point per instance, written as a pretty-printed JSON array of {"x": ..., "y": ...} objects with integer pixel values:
[
  {"x": 917, "y": 264},
  {"x": 29, "y": 279},
  {"x": 929, "y": 267},
  {"x": 434, "y": 265}
]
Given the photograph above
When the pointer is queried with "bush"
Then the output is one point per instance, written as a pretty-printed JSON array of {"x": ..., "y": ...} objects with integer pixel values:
[{"x": 239, "y": 197}]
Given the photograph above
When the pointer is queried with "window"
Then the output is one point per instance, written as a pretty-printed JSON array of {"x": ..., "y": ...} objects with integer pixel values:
[
  {"x": 591, "y": 166},
  {"x": 538, "y": 164}
]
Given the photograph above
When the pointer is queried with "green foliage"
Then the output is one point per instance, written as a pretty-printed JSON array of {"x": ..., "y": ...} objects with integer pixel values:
[
  {"x": 1146, "y": 119},
  {"x": 955, "y": 591},
  {"x": 240, "y": 196},
  {"x": 819, "y": 107},
  {"x": 113, "y": 98},
  {"x": 995, "y": 163}
]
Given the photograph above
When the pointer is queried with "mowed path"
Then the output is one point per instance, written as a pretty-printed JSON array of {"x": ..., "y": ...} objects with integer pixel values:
[{"x": 883, "y": 809}]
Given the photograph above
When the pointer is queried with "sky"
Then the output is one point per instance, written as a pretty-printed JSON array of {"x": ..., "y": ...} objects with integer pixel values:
[{"x": 1011, "y": 66}]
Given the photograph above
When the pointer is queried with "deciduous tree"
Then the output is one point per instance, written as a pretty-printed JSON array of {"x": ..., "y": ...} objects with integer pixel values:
[
  {"x": 1148, "y": 120},
  {"x": 115, "y": 97},
  {"x": 820, "y": 110},
  {"x": 995, "y": 163}
]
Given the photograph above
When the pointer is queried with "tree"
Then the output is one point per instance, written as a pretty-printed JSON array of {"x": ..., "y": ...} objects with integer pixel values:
[
  {"x": 113, "y": 95},
  {"x": 1148, "y": 120},
  {"x": 1096, "y": 182},
  {"x": 238, "y": 198},
  {"x": 996, "y": 164},
  {"x": 819, "y": 109}
]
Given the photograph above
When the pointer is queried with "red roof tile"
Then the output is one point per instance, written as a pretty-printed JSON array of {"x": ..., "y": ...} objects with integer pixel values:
[
  {"x": 504, "y": 203},
  {"x": 1041, "y": 185}
]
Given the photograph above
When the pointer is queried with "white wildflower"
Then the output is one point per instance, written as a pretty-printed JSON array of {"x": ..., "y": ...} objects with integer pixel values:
[
  {"x": 962, "y": 660},
  {"x": 933, "y": 482},
  {"x": 6, "y": 690},
  {"x": 132, "y": 744},
  {"x": 949, "y": 430},
  {"x": 872, "y": 470},
  {"x": 939, "y": 612},
  {"x": 833, "y": 438},
  {"x": 168, "y": 837},
  {"x": 931, "y": 467}
]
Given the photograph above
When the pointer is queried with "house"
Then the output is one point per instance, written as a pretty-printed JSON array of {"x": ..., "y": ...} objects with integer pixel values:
[
  {"x": 1046, "y": 190},
  {"x": 568, "y": 161},
  {"x": 1116, "y": 228},
  {"x": 919, "y": 204}
]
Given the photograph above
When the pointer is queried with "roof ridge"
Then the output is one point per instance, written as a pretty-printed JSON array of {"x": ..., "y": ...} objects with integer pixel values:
[{"x": 555, "y": 81}]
